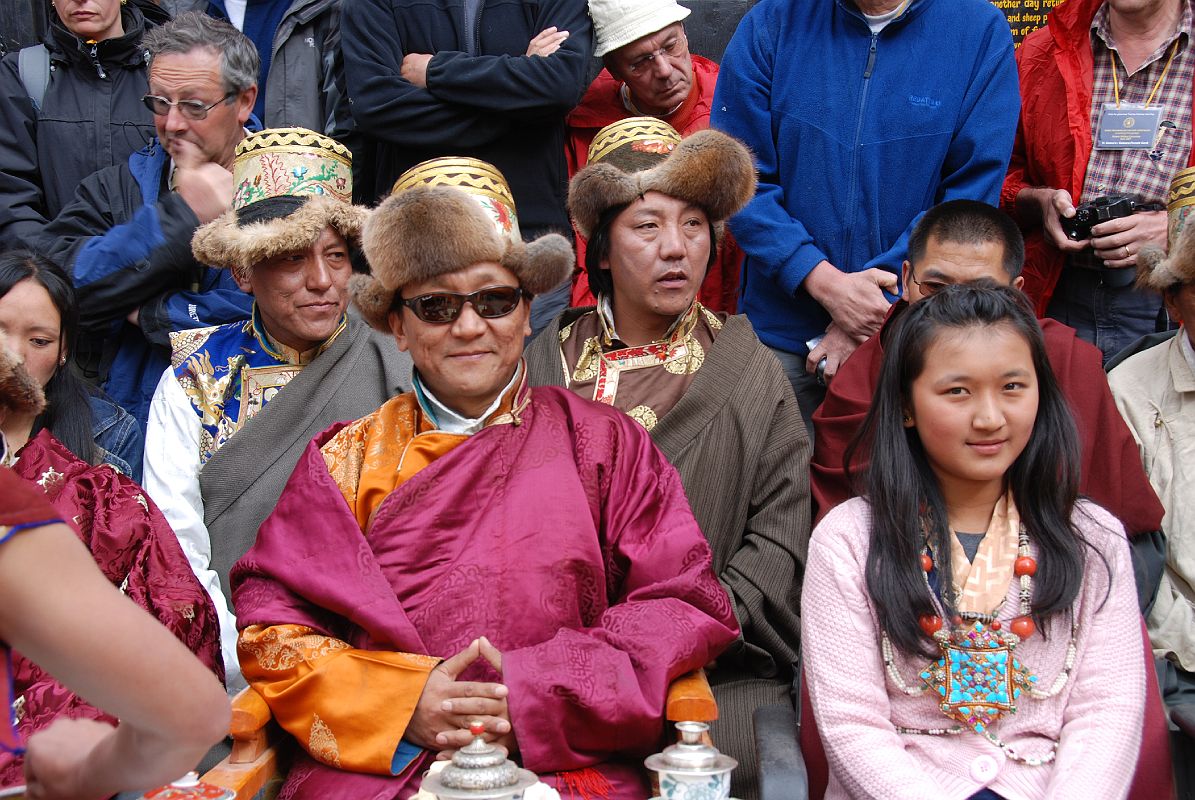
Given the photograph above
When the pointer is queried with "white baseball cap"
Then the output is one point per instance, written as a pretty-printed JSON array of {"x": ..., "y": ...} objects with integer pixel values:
[{"x": 619, "y": 22}]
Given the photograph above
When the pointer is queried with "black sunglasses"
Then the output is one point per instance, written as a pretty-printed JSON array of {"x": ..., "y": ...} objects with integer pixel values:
[{"x": 440, "y": 307}]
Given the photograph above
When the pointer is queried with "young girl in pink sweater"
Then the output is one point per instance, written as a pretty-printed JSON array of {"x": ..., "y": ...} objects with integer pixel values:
[{"x": 970, "y": 629}]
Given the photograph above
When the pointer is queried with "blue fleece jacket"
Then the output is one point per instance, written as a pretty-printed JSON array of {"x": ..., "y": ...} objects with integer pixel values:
[
  {"x": 128, "y": 245},
  {"x": 855, "y": 136}
]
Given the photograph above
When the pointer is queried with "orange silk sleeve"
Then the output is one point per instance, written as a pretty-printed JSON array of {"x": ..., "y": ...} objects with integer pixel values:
[{"x": 348, "y": 708}]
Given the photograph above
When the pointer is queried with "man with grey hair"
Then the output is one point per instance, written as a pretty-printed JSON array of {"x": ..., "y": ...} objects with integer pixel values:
[{"x": 126, "y": 237}]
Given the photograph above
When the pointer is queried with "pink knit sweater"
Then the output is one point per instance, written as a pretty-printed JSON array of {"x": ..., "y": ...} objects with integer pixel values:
[{"x": 1096, "y": 717}]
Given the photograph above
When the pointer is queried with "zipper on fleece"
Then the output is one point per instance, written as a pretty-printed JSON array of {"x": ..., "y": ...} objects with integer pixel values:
[{"x": 852, "y": 197}]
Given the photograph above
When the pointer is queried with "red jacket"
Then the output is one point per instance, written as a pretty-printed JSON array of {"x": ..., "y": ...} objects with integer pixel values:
[
  {"x": 602, "y": 106},
  {"x": 1053, "y": 140}
]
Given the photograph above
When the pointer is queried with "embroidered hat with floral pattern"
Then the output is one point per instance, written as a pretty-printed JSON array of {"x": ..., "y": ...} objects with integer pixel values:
[
  {"x": 291, "y": 183},
  {"x": 442, "y": 216},
  {"x": 637, "y": 155}
]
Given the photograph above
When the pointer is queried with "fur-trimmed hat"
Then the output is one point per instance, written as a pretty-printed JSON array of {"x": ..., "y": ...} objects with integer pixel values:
[
  {"x": 19, "y": 392},
  {"x": 1156, "y": 270},
  {"x": 443, "y": 216},
  {"x": 641, "y": 154},
  {"x": 291, "y": 183}
]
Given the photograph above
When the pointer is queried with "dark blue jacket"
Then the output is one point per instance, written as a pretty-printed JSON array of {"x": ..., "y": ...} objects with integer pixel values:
[
  {"x": 127, "y": 245},
  {"x": 856, "y": 135},
  {"x": 498, "y": 105}
]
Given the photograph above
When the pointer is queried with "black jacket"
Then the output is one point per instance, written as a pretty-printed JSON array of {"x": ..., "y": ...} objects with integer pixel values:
[
  {"x": 91, "y": 117},
  {"x": 499, "y": 106}
]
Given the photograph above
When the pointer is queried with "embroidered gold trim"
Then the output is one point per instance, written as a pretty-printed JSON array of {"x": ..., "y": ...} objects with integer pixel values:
[
  {"x": 644, "y": 416},
  {"x": 322, "y": 743}
]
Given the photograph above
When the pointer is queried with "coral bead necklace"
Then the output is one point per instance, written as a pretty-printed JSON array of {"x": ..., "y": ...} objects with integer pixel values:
[{"x": 979, "y": 678}]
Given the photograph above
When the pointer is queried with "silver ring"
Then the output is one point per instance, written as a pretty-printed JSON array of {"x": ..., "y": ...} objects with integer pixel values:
[{"x": 819, "y": 372}]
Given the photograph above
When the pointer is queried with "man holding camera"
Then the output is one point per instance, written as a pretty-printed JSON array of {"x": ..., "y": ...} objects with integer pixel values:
[{"x": 1106, "y": 93}]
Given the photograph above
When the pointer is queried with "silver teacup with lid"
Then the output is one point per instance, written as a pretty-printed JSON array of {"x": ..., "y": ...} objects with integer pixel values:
[
  {"x": 479, "y": 771},
  {"x": 691, "y": 769}
]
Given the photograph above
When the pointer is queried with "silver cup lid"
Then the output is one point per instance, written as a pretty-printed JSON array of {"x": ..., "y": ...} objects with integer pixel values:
[
  {"x": 479, "y": 770},
  {"x": 691, "y": 754}
]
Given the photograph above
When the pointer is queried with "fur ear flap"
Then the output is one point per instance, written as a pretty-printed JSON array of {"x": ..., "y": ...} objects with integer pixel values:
[
  {"x": 427, "y": 231},
  {"x": 1157, "y": 271},
  {"x": 19, "y": 392},
  {"x": 216, "y": 243},
  {"x": 596, "y": 188},
  {"x": 373, "y": 300},
  {"x": 710, "y": 170},
  {"x": 543, "y": 264}
]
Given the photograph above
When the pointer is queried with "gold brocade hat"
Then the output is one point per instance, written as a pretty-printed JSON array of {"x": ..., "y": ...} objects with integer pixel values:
[
  {"x": 1156, "y": 270},
  {"x": 443, "y": 216},
  {"x": 291, "y": 183},
  {"x": 1180, "y": 203},
  {"x": 642, "y": 154},
  {"x": 633, "y": 143},
  {"x": 479, "y": 179}
]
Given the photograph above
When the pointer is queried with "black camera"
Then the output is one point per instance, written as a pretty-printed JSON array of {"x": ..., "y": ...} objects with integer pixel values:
[{"x": 1101, "y": 209}]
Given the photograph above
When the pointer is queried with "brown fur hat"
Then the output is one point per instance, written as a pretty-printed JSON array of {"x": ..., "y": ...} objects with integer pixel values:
[
  {"x": 1157, "y": 271},
  {"x": 427, "y": 231},
  {"x": 708, "y": 169},
  {"x": 226, "y": 242},
  {"x": 19, "y": 392}
]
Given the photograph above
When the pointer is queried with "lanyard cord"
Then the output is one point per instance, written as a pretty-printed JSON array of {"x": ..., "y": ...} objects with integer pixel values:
[{"x": 1158, "y": 85}]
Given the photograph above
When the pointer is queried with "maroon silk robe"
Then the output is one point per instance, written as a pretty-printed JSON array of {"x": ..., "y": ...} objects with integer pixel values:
[
  {"x": 565, "y": 538},
  {"x": 1111, "y": 473},
  {"x": 135, "y": 548}
]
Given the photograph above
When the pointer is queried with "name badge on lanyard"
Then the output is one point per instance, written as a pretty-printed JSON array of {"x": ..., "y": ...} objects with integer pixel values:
[{"x": 1129, "y": 126}]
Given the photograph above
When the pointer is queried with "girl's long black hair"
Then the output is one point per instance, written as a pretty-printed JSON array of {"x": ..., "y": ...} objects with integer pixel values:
[
  {"x": 907, "y": 507},
  {"x": 68, "y": 413}
]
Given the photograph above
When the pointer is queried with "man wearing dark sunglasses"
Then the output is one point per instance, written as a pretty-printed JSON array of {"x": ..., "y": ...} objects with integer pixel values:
[
  {"x": 536, "y": 542},
  {"x": 126, "y": 237}
]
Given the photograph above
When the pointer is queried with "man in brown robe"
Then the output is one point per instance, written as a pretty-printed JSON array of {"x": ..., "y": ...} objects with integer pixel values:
[{"x": 714, "y": 399}]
